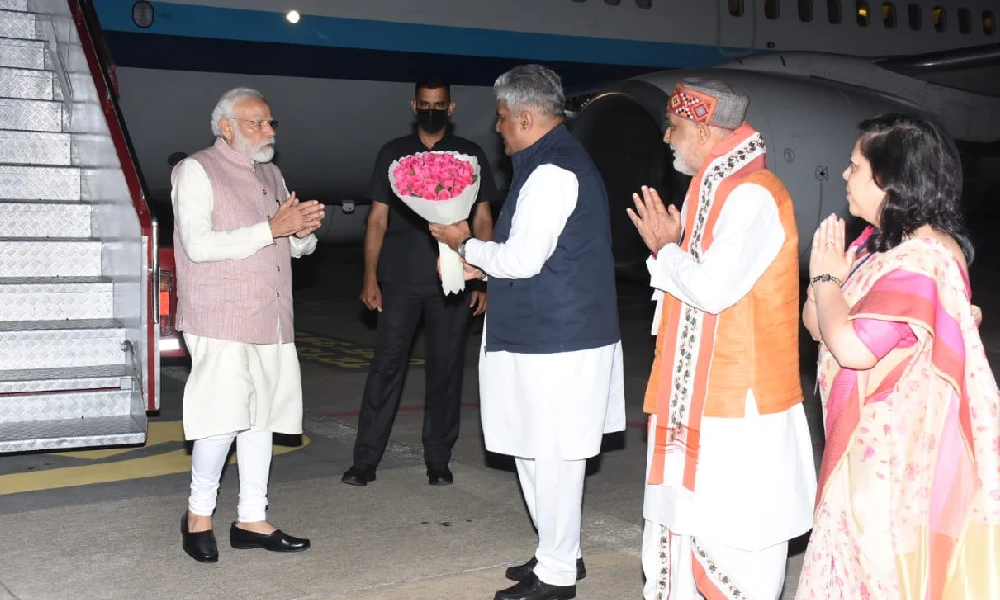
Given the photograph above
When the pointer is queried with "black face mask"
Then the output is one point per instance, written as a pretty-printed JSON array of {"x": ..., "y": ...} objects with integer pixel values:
[{"x": 432, "y": 120}]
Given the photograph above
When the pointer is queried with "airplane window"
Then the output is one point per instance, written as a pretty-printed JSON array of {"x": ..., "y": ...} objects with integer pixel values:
[
  {"x": 806, "y": 11},
  {"x": 863, "y": 13},
  {"x": 989, "y": 22},
  {"x": 940, "y": 19},
  {"x": 771, "y": 9},
  {"x": 965, "y": 20},
  {"x": 142, "y": 14},
  {"x": 833, "y": 11},
  {"x": 736, "y": 8},
  {"x": 915, "y": 16},
  {"x": 644, "y": 3},
  {"x": 889, "y": 15}
]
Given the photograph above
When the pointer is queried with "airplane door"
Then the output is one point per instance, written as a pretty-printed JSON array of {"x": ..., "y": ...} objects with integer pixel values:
[{"x": 736, "y": 26}]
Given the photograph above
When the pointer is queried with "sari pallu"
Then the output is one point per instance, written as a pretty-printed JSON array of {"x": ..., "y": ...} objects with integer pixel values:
[{"x": 909, "y": 488}]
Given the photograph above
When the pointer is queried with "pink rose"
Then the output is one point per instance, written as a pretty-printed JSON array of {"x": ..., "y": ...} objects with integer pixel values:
[{"x": 433, "y": 175}]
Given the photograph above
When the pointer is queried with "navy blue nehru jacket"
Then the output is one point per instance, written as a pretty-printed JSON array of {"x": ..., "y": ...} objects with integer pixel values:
[{"x": 571, "y": 304}]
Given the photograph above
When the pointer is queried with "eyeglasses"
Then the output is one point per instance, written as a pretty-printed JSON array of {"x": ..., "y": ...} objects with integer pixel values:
[{"x": 258, "y": 123}]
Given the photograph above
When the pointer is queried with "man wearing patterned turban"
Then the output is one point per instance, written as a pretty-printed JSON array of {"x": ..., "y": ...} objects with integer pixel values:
[{"x": 729, "y": 475}]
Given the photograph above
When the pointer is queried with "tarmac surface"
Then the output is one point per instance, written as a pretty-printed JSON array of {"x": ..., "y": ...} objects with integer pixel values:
[{"x": 105, "y": 523}]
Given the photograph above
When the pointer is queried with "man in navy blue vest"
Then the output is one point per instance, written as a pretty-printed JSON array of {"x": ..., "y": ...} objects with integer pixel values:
[{"x": 550, "y": 369}]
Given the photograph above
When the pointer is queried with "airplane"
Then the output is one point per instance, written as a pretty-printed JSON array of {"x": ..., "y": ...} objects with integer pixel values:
[{"x": 339, "y": 77}]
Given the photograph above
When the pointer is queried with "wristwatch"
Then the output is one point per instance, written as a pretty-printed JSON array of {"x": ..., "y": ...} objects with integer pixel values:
[
  {"x": 461, "y": 247},
  {"x": 826, "y": 277}
]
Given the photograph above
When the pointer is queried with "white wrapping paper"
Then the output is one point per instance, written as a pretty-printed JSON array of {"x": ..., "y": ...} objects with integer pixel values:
[{"x": 445, "y": 212}]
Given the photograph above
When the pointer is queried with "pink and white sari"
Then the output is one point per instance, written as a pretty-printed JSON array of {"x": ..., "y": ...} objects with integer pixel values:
[{"x": 909, "y": 489}]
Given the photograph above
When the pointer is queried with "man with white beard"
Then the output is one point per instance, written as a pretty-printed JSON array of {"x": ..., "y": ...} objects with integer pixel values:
[
  {"x": 729, "y": 468},
  {"x": 235, "y": 234}
]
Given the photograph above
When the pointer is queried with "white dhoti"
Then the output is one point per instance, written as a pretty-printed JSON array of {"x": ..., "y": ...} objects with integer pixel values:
[
  {"x": 234, "y": 386},
  {"x": 754, "y": 490},
  {"x": 550, "y": 411},
  {"x": 244, "y": 392}
]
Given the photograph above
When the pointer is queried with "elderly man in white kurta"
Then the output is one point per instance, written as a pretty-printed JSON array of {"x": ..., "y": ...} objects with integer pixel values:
[
  {"x": 236, "y": 230},
  {"x": 730, "y": 476},
  {"x": 550, "y": 370}
]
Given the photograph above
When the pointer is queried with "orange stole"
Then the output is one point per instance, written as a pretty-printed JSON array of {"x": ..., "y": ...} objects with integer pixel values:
[{"x": 751, "y": 345}]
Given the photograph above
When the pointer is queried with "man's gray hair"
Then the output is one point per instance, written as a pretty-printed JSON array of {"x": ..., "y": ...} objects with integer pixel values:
[
  {"x": 224, "y": 107},
  {"x": 531, "y": 86}
]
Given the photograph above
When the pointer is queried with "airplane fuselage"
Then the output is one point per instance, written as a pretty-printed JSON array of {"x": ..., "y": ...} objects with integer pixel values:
[{"x": 340, "y": 78}]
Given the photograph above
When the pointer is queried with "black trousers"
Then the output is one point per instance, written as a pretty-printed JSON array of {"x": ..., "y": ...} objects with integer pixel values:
[{"x": 445, "y": 322}]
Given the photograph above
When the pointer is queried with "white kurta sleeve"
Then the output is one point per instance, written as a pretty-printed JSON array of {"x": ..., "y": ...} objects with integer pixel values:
[
  {"x": 302, "y": 246},
  {"x": 299, "y": 246},
  {"x": 746, "y": 239},
  {"x": 192, "y": 201},
  {"x": 544, "y": 204}
]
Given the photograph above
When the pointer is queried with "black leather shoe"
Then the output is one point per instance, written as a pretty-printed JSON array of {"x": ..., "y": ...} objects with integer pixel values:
[
  {"x": 360, "y": 476},
  {"x": 200, "y": 545},
  {"x": 440, "y": 476},
  {"x": 277, "y": 541},
  {"x": 521, "y": 571},
  {"x": 532, "y": 588}
]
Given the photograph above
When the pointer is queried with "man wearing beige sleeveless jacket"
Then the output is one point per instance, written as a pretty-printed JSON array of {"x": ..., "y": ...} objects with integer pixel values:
[{"x": 236, "y": 230}]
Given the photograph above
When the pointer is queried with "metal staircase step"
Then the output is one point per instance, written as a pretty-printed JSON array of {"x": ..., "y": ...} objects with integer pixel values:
[
  {"x": 28, "y": 84},
  {"x": 21, "y": 5},
  {"x": 19, "y": 182},
  {"x": 62, "y": 344},
  {"x": 35, "y": 148},
  {"x": 71, "y": 420},
  {"x": 55, "y": 299},
  {"x": 44, "y": 219},
  {"x": 73, "y": 378},
  {"x": 63, "y": 434},
  {"x": 31, "y": 115},
  {"x": 50, "y": 257},
  {"x": 17, "y": 24},
  {"x": 23, "y": 54}
]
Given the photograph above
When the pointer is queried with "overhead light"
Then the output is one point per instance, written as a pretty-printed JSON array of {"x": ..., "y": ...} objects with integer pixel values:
[{"x": 293, "y": 16}]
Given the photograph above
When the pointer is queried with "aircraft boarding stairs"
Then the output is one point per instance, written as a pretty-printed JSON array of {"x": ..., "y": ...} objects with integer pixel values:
[{"x": 72, "y": 304}]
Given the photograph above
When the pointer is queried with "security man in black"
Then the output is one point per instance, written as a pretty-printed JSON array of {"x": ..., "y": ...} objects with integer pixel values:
[{"x": 402, "y": 283}]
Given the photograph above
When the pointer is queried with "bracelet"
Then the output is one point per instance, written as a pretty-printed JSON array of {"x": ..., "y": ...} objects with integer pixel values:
[{"x": 826, "y": 277}]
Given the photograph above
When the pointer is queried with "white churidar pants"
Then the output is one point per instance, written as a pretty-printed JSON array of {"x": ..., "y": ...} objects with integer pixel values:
[
  {"x": 668, "y": 562},
  {"x": 253, "y": 457},
  {"x": 553, "y": 491}
]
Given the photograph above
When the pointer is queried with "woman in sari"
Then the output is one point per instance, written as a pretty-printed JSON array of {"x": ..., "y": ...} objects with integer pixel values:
[{"x": 909, "y": 489}]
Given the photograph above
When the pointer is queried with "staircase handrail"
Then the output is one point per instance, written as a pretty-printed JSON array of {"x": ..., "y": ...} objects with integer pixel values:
[{"x": 58, "y": 64}]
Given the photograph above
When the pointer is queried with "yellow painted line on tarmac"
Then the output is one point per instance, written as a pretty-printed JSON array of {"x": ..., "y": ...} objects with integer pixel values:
[
  {"x": 157, "y": 432},
  {"x": 167, "y": 463}
]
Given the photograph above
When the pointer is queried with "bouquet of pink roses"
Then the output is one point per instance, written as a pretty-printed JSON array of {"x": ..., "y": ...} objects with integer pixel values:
[{"x": 441, "y": 187}]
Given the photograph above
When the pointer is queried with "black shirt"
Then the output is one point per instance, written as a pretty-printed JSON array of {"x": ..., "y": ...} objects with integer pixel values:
[{"x": 409, "y": 252}]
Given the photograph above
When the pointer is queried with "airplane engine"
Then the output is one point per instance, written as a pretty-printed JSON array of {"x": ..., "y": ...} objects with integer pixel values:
[{"x": 809, "y": 127}]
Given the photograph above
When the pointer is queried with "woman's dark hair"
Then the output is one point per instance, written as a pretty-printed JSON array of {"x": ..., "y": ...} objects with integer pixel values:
[{"x": 918, "y": 167}]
